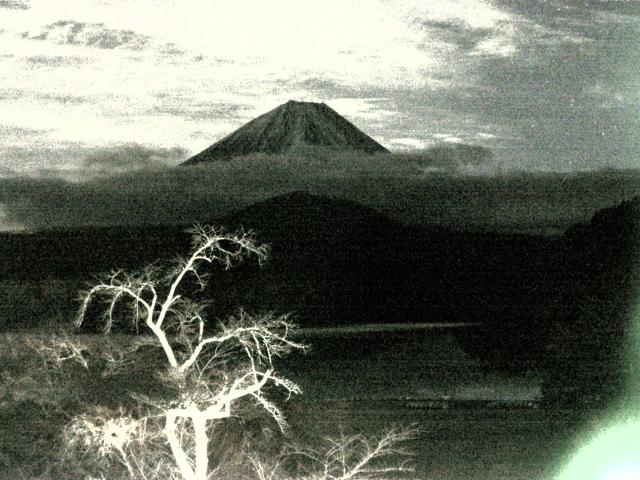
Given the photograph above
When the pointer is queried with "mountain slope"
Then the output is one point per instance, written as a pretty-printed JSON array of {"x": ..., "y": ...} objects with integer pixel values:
[
  {"x": 291, "y": 127},
  {"x": 592, "y": 353}
]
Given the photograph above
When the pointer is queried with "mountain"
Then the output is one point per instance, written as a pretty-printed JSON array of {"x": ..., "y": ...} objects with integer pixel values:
[
  {"x": 291, "y": 127},
  {"x": 332, "y": 261},
  {"x": 301, "y": 216},
  {"x": 588, "y": 350}
]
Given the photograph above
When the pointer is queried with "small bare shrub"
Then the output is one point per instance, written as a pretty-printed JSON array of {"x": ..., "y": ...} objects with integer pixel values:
[{"x": 347, "y": 457}]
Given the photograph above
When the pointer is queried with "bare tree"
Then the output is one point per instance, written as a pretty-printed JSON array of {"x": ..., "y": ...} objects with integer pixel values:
[
  {"x": 208, "y": 373},
  {"x": 348, "y": 457}
]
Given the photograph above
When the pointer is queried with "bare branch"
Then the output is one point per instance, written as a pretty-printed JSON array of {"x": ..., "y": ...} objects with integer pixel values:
[
  {"x": 61, "y": 349},
  {"x": 354, "y": 457},
  {"x": 385, "y": 447},
  {"x": 211, "y": 245},
  {"x": 113, "y": 291},
  {"x": 262, "y": 338}
]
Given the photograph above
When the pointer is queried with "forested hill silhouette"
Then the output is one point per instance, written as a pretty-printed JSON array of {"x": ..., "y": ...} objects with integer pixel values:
[
  {"x": 301, "y": 216},
  {"x": 332, "y": 262},
  {"x": 600, "y": 294},
  {"x": 291, "y": 127},
  {"x": 539, "y": 300}
]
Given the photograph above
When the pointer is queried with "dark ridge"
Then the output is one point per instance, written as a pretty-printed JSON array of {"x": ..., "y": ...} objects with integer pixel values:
[
  {"x": 319, "y": 216},
  {"x": 291, "y": 127},
  {"x": 589, "y": 350}
]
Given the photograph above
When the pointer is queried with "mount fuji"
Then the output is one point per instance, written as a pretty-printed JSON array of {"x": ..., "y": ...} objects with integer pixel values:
[{"x": 293, "y": 127}]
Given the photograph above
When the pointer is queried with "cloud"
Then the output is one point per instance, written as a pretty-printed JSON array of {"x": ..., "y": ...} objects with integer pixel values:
[
  {"x": 620, "y": 18},
  {"x": 15, "y": 4},
  {"x": 76, "y": 162},
  {"x": 325, "y": 87},
  {"x": 454, "y": 157},
  {"x": 407, "y": 143},
  {"x": 447, "y": 137},
  {"x": 608, "y": 96},
  {"x": 238, "y": 79},
  {"x": 64, "y": 99},
  {"x": 474, "y": 14},
  {"x": 132, "y": 185},
  {"x": 21, "y": 94},
  {"x": 459, "y": 34},
  {"x": 371, "y": 110},
  {"x": 9, "y": 130},
  {"x": 471, "y": 28},
  {"x": 485, "y": 136},
  {"x": 501, "y": 47},
  {"x": 197, "y": 108},
  {"x": 130, "y": 158},
  {"x": 71, "y": 32},
  {"x": 477, "y": 29},
  {"x": 392, "y": 184},
  {"x": 17, "y": 144},
  {"x": 461, "y": 66},
  {"x": 54, "y": 60},
  {"x": 99, "y": 35}
]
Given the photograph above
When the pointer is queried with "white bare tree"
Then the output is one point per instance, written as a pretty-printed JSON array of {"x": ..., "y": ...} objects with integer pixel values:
[
  {"x": 208, "y": 372},
  {"x": 348, "y": 457}
]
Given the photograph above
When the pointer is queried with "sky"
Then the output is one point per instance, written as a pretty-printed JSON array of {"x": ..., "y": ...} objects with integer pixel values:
[{"x": 548, "y": 85}]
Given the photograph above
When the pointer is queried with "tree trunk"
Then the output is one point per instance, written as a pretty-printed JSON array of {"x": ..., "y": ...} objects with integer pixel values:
[
  {"x": 202, "y": 446},
  {"x": 176, "y": 449}
]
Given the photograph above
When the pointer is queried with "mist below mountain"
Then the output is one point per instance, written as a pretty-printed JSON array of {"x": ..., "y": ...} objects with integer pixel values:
[{"x": 396, "y": 185}]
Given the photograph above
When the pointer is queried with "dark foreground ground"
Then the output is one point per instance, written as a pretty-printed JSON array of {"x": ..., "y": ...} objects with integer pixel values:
[
  {"x": 463, "y": 444},
  {"x": 366, "y": 382},
  {"x": 476, "y": 423}
]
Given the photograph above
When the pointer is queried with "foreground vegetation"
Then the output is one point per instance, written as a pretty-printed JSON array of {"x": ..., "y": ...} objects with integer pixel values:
[
  {"x": 158, "y": 403},
  {"x": 453, "y": 444}
]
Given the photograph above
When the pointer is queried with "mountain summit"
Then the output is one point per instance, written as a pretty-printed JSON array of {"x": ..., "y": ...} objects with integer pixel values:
[{"x": 291, "y": 127}]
